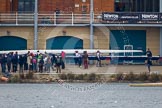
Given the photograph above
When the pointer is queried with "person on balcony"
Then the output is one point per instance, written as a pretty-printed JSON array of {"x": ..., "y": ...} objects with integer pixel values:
[{"x": 57, "y": 11}]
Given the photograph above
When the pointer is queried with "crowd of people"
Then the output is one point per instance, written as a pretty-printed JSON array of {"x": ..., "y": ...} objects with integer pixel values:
[{"x": 14, "y": 62}]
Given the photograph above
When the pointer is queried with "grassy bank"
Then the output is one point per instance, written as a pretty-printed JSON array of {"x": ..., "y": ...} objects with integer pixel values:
[
  {"x": 31, "y": 77},
  {"x": 131, "y": 77}
]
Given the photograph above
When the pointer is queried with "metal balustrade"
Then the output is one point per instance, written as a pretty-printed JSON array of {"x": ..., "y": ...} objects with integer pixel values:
[
  {"x": 65, "y": 18},
  {"x": 45, "y": 19}
]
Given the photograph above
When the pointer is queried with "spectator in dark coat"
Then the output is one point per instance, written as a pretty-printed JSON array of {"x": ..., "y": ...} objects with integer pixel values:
[
  {"x": 9, "y": 62},
  {"x": 21, "y": 62},
  {"x": 15, "y": 62},
  {"x": 3, "y": 63},
  {"x": 41, "y": 63}
]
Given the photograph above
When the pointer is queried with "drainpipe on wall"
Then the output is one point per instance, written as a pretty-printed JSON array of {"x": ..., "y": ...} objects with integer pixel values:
[
  {"x": 160, "y": 30},
  {"x": 36, "y": 25},
  {"x": 91, "y": 26}
]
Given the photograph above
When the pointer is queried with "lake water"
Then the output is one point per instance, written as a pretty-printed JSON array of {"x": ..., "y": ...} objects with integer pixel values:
[{"x": 82, "y": 95}]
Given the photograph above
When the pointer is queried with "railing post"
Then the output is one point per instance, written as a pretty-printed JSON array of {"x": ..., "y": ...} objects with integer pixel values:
[
  {"x": 16, "y": 18},
  {"x": 55, "y": 18},
  {"x": 72, "y": 18}
]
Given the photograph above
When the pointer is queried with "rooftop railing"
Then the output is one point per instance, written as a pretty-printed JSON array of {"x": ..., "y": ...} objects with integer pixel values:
[{"x": 72, "y": 18}]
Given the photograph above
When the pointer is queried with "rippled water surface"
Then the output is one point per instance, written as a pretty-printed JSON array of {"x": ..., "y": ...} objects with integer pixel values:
[{"x": 79, "y": 96}]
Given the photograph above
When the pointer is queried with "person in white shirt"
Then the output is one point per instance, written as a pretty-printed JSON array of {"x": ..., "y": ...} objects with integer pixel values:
[{"x": 79, "y": 60}]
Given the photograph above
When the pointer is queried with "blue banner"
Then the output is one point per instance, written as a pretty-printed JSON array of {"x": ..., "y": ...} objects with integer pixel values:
[{"x": 132, "y": 17}]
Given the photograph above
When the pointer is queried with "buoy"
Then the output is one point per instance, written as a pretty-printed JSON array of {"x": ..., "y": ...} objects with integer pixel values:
[{"x": 4, "y": 79}]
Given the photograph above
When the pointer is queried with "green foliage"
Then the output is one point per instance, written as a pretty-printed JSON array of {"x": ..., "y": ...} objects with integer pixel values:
[
  {"x": 79, "y": 77},
  {"x": 14, "y": 79},
  {"x": 154, "y": 77},
  {"x": 22, "y": 76},
  {"x": 160, "y": 77},
  {"x": 70, "y": 76},
  {"x": 130, "y": 77},
  {"x": 119, "y": 76},
  {"x": 63, "y": 76},
  {"x": 113, "y": 76},
  {"x": 98, "y": 78},
  {"x": 85, "y": 77},
  {"x": 92, "y": 77},
  {"x": 143, "y": 76},
  {"x": 29, "y": 75}
]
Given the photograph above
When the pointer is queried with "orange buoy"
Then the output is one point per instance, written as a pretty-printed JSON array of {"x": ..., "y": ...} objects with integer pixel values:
[{"x": 4, "y": 79}]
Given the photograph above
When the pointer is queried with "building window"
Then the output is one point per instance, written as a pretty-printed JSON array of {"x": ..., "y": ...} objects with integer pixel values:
[
  {"x": 137, "y": 5},
  {"x": 26, "y": 5}
]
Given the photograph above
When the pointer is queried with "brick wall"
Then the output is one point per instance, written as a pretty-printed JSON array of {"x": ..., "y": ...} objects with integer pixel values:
[
  {"x": 4, "y": 5},
  {"x": 51, "y": 5},
  {"x": 64, "y": 5}
]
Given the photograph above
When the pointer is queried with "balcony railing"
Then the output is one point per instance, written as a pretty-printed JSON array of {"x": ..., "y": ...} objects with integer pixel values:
[
  {"x": 72, "y": 19},
  {"x": 28, "y": 18}
]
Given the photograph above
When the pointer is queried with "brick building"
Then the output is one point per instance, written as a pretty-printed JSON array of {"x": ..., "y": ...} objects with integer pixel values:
[{"x": 68, "y": 24}]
